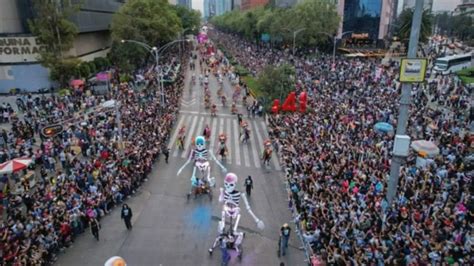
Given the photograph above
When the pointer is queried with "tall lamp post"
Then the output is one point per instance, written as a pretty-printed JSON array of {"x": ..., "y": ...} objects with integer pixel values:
[
  {"x": 156, "y": 54},
  {"x": 405, "y": 99},
  {"x": 335, "y": 44},
  {"x": 294, "y": 37}
]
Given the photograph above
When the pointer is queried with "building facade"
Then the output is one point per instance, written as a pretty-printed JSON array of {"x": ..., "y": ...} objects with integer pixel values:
[
  {"x": 185, "y": 3},
  {"x": 466, "y": 7},
  {"x": 427, "y": 4},
  {"x": 19, "y": 49},
  {"x": 223, "y": 6},
  {"x": 209, "y": 8},
  {"x": 249, "y": 4},
  {"x": 368, "y": 20}
]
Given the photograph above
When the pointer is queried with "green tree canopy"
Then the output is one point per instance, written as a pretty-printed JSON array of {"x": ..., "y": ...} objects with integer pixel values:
[
  {"x": 315, "y": 16},
  {"x": 276, "y": 82},
  {"x": 153, "y": 22},
  {"x": 52, "y": 27},
  {"x": 405, "y": 21},
  {"x": 190, "y": 18}
]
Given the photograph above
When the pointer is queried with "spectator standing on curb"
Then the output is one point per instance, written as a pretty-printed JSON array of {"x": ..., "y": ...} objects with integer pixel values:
[
  {"x": 248, "y": 185},
  {"x": 166, "y": 153},
  {"x": 127, "y": 216},
  {"x": 284, "y": 237},
  {"x": 95, "y": 226}
]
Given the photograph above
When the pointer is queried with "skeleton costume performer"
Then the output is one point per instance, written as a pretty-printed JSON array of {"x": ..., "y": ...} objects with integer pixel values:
[
  {"x": 200, "y": 155},
  {"x": 230, "y": 196}
]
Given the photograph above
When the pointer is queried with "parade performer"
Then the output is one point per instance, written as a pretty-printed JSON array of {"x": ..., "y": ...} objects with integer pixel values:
[
  {"x": 267, "y": 152},
  {"x": 245, "y": 132},
  {"x": 222, "y": 149},
  {"x": 200, "y": 155},
  {"x": 230, "y": 196}
]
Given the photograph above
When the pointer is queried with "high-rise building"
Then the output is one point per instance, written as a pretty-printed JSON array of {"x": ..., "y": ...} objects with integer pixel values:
[
  {"x": 285, "y": 3},
  {"x": 236, "y": 4},
  {"x": 466, "y": 7},
  {"x": 185, "y": 3},
  {"x": 365, "y": 19},
  {"x": 209, "y": 8},
  {"x": 19, "y": 49},
  {"x": 427, "y": 4},
  {"x": 223, "y": 6},
  {"x": 249, "y": 4}
]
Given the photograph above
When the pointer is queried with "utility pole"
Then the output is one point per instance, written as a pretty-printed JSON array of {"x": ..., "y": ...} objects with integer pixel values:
[{"x": 405, "y": 99}]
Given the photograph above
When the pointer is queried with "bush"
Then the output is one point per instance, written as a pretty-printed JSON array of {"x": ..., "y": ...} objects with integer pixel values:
[
  {"x": 466, "y": 75},
  {"x": 64, "y": 92},
  {"x": 253, "y": 86},
  {"x": 84, "y": 70},
  {"x": 92, "y": 67},
  {"x": 241, "y": 71}
]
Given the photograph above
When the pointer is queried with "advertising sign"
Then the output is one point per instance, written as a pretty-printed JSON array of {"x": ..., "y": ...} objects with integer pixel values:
[
  {"x": 413, "y": 70},
  {"x": 20, "y": 49}
]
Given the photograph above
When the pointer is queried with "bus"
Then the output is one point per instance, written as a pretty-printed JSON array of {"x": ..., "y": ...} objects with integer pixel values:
[{"x": 451, "y": 64}]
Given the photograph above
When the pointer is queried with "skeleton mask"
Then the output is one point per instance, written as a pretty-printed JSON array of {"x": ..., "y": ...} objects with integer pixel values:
[
  {"x": 230, "y": 181},
  {"x": 200, "y": 143}
]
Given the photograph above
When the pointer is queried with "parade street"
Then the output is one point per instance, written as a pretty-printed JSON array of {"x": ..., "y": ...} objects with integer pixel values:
[{"x": 168, "y": 229}]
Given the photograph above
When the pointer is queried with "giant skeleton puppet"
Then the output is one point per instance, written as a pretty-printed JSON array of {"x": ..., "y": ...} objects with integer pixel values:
[
  {"x": 231, "y": 198},
  {"x": 200, "y": 155}
]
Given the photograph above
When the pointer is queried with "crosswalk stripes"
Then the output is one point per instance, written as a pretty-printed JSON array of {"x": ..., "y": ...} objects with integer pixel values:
[
  {"x": 189, "y": 136},
  {"x": 240, "y": 154},
  {"x": 229, "y": 147},
  {"x": 236, "y": 138},
  {"x": 175, "y": 134},
  {"x": 253, "y": 144}
]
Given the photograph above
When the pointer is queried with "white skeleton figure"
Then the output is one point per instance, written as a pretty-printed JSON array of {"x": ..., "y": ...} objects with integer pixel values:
[
  {"x": 231, "y": 198},
  {"x": 200, "y": 155}
]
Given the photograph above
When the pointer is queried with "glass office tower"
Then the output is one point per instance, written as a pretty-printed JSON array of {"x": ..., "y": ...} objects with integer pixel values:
[{"x": 362, "y": 17}]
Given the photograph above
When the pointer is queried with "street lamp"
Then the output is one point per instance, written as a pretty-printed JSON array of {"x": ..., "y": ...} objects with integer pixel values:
[
  {"x": 156, "y": 54},
  {"x": 294, "y": 38}
]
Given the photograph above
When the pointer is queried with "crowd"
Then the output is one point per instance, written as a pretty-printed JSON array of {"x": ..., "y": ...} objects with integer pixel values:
[
  {"x": 86, "y": 170},
  {"x": 337, "y": 165}
]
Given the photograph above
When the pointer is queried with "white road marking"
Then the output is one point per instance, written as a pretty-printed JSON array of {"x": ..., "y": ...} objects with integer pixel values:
[
  {"x": 236, "y": 142},
  {"x": 254, "y": 145}
]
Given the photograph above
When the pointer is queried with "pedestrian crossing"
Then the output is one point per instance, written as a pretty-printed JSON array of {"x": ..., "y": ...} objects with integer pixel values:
[{"x": 239, "y": 154}]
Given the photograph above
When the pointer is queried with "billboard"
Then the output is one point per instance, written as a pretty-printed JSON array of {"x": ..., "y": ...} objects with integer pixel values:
[{"x": 20, "y": 49}]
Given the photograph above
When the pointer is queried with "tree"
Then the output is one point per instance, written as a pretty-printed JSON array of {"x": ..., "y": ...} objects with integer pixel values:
[
  {"x": 276, "y": 82},
  {"x": 52, "y": 27},
  {"x": 316, "y": 17},
  {"x": 190, "y": 18},
  {"x": 153, "y": 22},
  {"x": 406, "y": 18}
]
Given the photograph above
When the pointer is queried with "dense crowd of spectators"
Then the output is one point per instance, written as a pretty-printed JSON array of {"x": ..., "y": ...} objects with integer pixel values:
[
  {"x": 83, "y": 172},
  {"x": 337, "y": 165}
]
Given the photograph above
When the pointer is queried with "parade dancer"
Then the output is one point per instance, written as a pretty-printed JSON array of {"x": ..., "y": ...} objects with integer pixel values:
[
  {"x": 222, "y": 149},
  {"x": 230, "y": 196},
  {"x": 267, "y": 152},
  {"x": 200, "y": 155}
]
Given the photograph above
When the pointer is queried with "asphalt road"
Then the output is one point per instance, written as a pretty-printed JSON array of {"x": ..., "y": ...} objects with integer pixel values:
[{"x": 169, "y": 230}]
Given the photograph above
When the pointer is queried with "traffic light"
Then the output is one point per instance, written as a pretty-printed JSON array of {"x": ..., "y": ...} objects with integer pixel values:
[{"x": 52, "y": 130}]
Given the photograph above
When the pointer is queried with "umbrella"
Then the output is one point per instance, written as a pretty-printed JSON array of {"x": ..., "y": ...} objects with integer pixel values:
[
  {"x": 15, "y": 165},
  {"x": 383, "y": 127},
  {"x": 425, "y": 147}
]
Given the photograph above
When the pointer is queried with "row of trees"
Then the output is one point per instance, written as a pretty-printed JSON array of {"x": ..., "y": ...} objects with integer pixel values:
[
  {"x": 315, "y": 18},
  {"x": 460, "y": 26},
  {"x": 154, "y": 22}
]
